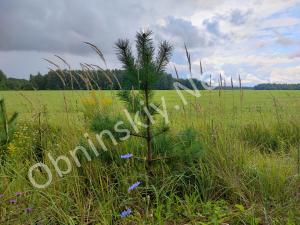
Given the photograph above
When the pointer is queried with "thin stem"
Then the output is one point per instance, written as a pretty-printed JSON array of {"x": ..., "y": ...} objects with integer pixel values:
[{"x": 148, "y": 135}]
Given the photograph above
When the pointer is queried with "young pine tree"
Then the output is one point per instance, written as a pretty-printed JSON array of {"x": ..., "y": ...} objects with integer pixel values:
[{"x": 142, "y": 72}]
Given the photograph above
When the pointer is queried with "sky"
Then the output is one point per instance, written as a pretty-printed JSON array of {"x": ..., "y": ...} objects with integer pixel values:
[{"x": 256, "y": 39}]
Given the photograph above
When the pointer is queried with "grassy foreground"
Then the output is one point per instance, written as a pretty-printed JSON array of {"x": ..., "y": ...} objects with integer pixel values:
[{"x": 235, "y": 161}]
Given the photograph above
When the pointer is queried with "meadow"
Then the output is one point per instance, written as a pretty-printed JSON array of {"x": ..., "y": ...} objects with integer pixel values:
[{"x": 229, "y": 157}]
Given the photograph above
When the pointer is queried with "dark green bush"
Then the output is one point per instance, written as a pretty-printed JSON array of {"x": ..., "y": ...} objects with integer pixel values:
[{"x": 101, "y": 122}]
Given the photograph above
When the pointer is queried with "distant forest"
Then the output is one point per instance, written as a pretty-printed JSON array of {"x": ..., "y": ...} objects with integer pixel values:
[
  {"x": 84, "y": 80},
  {"x": 277, "y": 87},
  {"x": 106, "y": 80}
]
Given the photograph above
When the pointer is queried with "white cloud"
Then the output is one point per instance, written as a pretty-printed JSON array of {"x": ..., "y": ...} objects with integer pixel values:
[{"x": 285, "y": 75}]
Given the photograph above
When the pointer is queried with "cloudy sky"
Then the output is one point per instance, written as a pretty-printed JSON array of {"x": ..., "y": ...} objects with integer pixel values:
[{"x": 258, "y": 39}]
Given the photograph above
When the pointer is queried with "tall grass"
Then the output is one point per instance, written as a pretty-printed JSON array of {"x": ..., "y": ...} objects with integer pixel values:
[{"x": 234, "y": 171}]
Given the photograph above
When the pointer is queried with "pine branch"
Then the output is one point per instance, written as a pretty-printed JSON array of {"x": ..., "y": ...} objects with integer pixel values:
[
  {"x": 145, "y": 48},
  {"x": 137, "y": 135},
  {"x": 125, "y": 55},
  {"x": 163, "y": 56}
]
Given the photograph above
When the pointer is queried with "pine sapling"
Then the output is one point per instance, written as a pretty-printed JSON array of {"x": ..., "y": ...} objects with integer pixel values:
[{"x": 143, "y": 72}]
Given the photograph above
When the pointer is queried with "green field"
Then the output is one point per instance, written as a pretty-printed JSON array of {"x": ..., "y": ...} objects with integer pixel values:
[
  {"x": 255, "y": 104},
  {"x": 236, "y": 160}
]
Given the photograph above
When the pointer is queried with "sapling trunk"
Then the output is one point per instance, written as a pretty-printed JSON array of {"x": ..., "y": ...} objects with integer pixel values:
[{"x": 148, "y": 136}]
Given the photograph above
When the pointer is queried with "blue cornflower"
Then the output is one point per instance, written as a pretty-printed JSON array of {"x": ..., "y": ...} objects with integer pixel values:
[
  {"x": 127, "y": 156},
  {"x": 13, "y": 201},
  {"x": 126, "y": 212},
  {"x": 134, "y": 186},
  {"x": 28, "y": 210},
  {"x": 19, "y": 193}
]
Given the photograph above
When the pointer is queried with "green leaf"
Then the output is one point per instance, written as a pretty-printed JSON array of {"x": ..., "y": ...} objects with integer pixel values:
[{"x": 240, "y": 207}]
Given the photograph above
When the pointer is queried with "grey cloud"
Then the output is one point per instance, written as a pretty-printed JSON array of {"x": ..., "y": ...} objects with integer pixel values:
[
  {"x": 62, "y": 25},
  {"x": 35, "y": 29},
  {"x": 237, "y": 17},
  {"x": 180, "y": 31},
  {"x": 212, "y": 26}
]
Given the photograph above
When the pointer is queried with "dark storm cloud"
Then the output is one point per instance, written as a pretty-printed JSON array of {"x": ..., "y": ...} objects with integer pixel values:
[
  {"x": 62, "y": 25},
  {"x": 59, "y": 26}
]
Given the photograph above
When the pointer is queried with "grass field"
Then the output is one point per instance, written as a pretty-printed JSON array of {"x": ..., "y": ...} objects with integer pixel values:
[
  {"x": 255, "y": 103},
  {"x": 235, "y": 161}
]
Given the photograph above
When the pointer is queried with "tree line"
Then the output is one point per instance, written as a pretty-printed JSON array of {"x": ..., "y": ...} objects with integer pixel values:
[
  {"x": 107, "y": 80},
  {"x": 274, "y": 86},
  {"x": 85, "y": 80}
]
